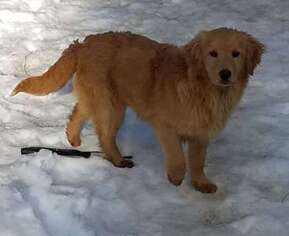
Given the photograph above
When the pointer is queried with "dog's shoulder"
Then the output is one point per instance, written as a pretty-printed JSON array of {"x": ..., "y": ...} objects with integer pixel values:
[{"x": 170, "y": 60}]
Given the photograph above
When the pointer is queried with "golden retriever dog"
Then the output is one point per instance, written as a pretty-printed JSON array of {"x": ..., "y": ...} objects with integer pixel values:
[{"x": 186, "y": 93}]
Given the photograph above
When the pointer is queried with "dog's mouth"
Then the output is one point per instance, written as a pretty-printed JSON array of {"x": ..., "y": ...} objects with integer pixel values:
[{"x": 223, "y": 83}]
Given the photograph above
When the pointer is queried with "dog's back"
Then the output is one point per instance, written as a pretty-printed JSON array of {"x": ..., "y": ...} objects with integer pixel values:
[{"x": 138, "y": 71}]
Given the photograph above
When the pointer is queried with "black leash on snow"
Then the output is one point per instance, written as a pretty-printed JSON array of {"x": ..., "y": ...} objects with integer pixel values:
[
  {"x": 59, "y": 151},
  {"x": 63, "y": 152}
]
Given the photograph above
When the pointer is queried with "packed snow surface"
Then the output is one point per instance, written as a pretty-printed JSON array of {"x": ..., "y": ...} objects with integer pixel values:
[{"x": 46, "y": 194}]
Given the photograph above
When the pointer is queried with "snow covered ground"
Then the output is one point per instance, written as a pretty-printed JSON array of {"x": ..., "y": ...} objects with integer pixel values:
[{"x": 46, "y": 194}]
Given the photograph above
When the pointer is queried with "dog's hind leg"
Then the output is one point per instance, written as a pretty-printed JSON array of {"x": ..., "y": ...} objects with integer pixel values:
[
  {"x": 107, "y": 118},
  {"x": 74, "y": 125}
]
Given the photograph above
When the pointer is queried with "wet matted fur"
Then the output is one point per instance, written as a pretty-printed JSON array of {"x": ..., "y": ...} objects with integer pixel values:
[{"x": 186, "y": 93}]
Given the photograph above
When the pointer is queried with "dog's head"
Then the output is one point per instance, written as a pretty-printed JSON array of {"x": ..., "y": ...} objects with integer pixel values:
[{"x": 225, "y": 55}]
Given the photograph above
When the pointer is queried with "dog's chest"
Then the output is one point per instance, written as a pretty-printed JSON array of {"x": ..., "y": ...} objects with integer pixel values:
[{"x": 206, "y": 119}]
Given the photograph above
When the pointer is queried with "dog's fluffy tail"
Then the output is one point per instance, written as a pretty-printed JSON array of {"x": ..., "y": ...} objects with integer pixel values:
[{"x": 54, "y": 78}]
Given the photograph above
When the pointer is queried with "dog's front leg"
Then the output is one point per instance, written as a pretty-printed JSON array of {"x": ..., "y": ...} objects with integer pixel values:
[
  {"x": 197, "y": 156},
  {"x": 175, "y": 161}
]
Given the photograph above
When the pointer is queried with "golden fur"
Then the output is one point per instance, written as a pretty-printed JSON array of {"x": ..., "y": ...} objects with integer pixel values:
[{"x": 178, "y": 90}]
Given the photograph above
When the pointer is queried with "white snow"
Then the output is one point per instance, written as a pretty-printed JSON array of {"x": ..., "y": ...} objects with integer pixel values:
[{"x": 46, "y": 194}]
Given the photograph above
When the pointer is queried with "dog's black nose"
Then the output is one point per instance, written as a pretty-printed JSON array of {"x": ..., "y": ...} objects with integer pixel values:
[{"x": 225, "y": 74}]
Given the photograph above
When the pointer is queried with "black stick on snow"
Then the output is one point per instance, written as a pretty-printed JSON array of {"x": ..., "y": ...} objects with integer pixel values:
[
  {"x": 63, "y": 152},
  {"x": 59, "y": 151}
]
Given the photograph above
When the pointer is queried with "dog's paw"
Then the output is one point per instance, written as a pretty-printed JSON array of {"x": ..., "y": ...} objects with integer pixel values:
[
  {"x": 205, "y": 187},
  {"x": 175, "y": 180},
  {"x": 176, "y": 173},
  {"x": 75, "y": 142},
  {"x": 73, "y": 139}
]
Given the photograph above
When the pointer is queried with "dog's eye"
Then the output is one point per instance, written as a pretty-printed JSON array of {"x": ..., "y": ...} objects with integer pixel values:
[
  {"x": 235, "y": 54},
  {"x": 213, "y": 53}
]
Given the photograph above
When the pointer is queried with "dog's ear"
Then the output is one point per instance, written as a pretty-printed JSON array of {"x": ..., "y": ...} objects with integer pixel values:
[
  {"x": 255, "y": 49},
  {"x": 193, "y": 52}
]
